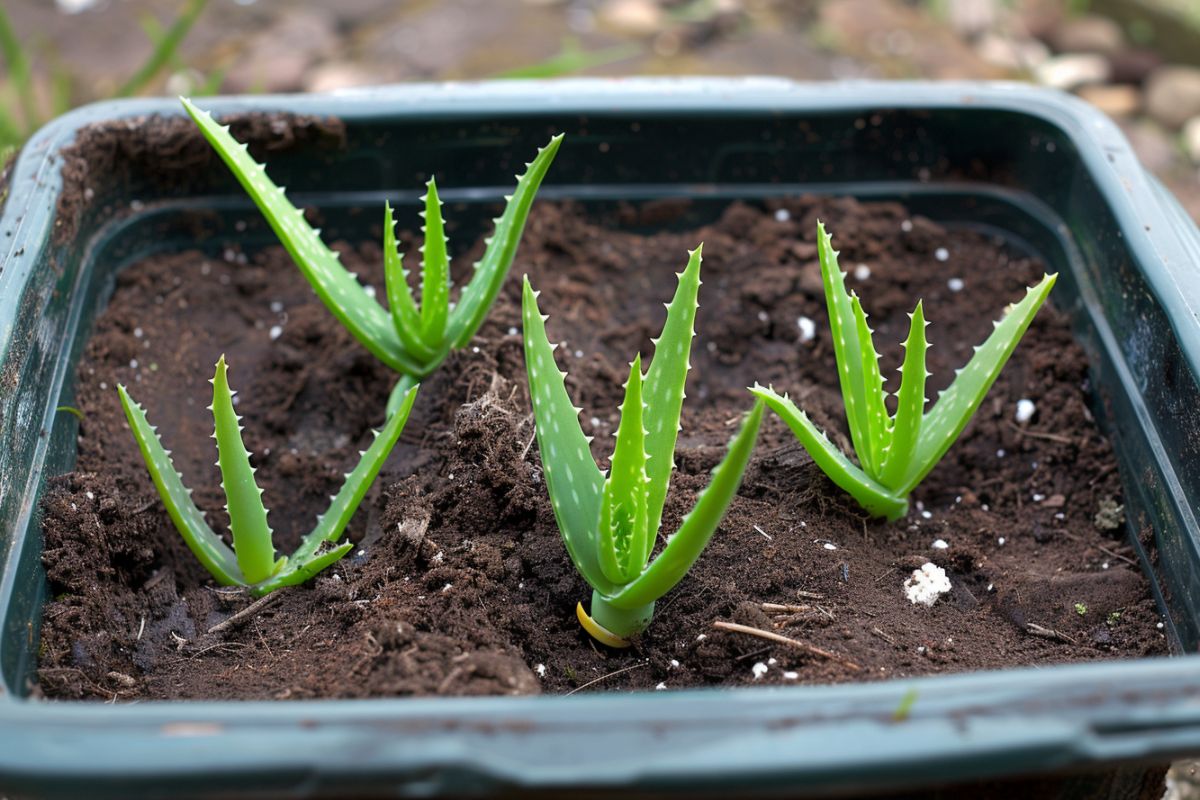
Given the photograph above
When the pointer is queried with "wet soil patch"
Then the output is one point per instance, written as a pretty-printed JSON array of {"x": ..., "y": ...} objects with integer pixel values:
[{"x": 459, "y": 583}]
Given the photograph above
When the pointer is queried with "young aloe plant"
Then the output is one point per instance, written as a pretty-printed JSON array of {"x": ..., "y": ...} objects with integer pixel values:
[
  {"x": 610, "y": 524},
  {"x": 251, "y": 563},
  {"x": 413, "y": 341},
  {"x": 896, "y": 451}
]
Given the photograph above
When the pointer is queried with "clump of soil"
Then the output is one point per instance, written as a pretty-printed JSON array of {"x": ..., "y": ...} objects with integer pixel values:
[{"x": 459, "y": 584}]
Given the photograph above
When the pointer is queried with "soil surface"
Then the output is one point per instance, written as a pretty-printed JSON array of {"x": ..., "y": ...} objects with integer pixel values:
[{"x": 460, "y": 584}]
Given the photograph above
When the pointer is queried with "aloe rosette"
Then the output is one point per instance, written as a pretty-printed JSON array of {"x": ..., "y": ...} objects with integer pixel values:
[
  {"x": 413, "y": 340},
  {"x": 610, "y": 523},
  {"x": 896, "y": 451},
  {"x": 251, "y": 562}
]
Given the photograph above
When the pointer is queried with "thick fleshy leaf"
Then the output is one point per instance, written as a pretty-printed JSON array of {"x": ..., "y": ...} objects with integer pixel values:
[
  {"x": 406, "y": 319},
  {"x": 338, "y": 289},
  {"x": 573, "y": 480},
  {"x": 847, "y": 348},
  {"x": 206, "y": 545},
  {"x": 665, "y": 384},
  {"x": 910, "y": 403},
  {"x": 871, "y": 495},
  {"x": 303, "y": 571},
  {"x": 874, "y": 409},
  {"x": 698, "y": 526},
  {"x": 478, "y": 294},
  {"x": 623, "y": 529},
  {"x": 955, "y": 406},
  {"x": 247, "y": 515},
  {"x": 435, "y": 271}
]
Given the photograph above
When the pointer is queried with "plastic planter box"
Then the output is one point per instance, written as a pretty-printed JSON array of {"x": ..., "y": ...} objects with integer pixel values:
[{"x": 1039, "y": 168}]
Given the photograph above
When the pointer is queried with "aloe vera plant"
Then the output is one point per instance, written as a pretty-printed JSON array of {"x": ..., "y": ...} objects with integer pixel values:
[
  {"x": 896, "y": 451},
  {"x": 411, "y": 340},
  {"x": 251, "y": 563},
  {"x": 610, "y": 524}
]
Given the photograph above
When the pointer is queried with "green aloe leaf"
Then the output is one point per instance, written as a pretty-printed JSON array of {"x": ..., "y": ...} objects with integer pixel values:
[
  {"x": 310, "y": 557},
  {"x": 875, "y": 410},
  {"x": 573, "y": 480},
  {"x": 247, "y": 515},
  {"x": 435, "y": 270},
  {"x": 698, "y": 526},
  {"x": 853, "y": 369},
  {"x": 478, "y": 294},
  {"x": 206, "y": 545},
  {"x": 623, "y": 528},
  {"x": 910, "y": 402},
  {"x": 665, "y": 384},
  {"x": 870, "y": 494},
  {"x": 405, "y": 316},
  {"x": 338, "y": 289},
  {"x": 954, "y": 408}
]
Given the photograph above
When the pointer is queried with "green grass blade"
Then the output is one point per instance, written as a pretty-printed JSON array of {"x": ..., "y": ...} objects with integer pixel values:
[
  {"x": 338, "y": 289},
  {"x": 910, "y": 403},
  {"x": 954, "y": 408},
  {"x": 247, "y": 515},
  {"x": 311, "y": 557},
  {"x": 874, "y": 408},
  {"x": 208, "y": 548},
  {"x": 698, "y": 526},
  {"x": 623, "y": 526},
  {"x": 573, "y": 480},
  {"x": 164, "y": 49},
  {"x": 665, "y": 385},
  {"x": 435, "y": 270},
  {"x": 405, "y": 318},
  {"x": 847, "y": 349},
  {"x": 871, "y": 495},
  {"x": 481, "y": 290},
  {"x": 19, "y": 73}
]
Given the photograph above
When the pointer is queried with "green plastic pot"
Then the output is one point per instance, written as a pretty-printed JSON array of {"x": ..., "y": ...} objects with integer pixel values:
[{"x": 1041, "y": 169}]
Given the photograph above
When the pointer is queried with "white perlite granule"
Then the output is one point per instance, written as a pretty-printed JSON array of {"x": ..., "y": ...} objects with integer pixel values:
[
  {"x": 1025, "y": 410},
  {"x": 926, "y": 584}
]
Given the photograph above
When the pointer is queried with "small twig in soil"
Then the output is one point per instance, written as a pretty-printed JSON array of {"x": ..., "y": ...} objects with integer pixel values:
[
  {"x": 605, "y": 677},
  {"x": 1048, "y": 633},
  {"x": 826, "y": 612},
  {"x": 1107, "y": 468},
  {"x": 784, "y": 608},
  {"x": 812, "y": 650},
  {"x": 764, "y": 533},
  {"x": 810, "y": 595},
  {"x": 1117, "y": 555},
  {"x": 885, "y": 574},
  {"x": 248, "y": 611},
  {"x": 1053, "y": 437},
  {"x": 883, "y": 636}
]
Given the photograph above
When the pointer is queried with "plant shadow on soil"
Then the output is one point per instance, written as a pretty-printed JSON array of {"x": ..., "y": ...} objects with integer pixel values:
[{"x": 459, "y": 583}]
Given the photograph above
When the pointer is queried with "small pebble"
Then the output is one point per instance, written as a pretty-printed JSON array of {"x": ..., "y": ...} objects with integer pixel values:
[
  {"x": 512, "y": 331},
  {"x": 762, "y": 317},
  {"x": 660, "y": 687},
  {"x": 674, "y": 664},
  {"x": 782, "y": 215},
  {"x": 790, "y": 676},
  {"x": 808, "y": 329},
  {"x": 1025, "y": 410},
  {"x": 1037, "y": 498},
  {"x": 940, "y": 544},
  {"x": 276, "y": 306},
  {"x": 759, "y": 670},
  {"x": 862, "y": 272},
  {"x": 955, "y": 284},
  {"x": 541, "y": 670},
  {"x": 829, "y": 546},
  {"x": 926, "y": 515},
  {"x": 1001, "y": 453},
  {"x": 1000, "y": 541},
  {"x": 906, "y": 225},
  {"x": 941, "y": 254},
  {"x": 275, "y": 332},
  {"x": 138, "y": 333},
  {"x": 1159, "y": 626}
]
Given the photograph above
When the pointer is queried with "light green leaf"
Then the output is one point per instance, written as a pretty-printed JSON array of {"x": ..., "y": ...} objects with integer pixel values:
[
  {"x": 478, "y": 294},
  {"x": 338, "y": 289},
  {"x": 247, "y": 515},
  {"x": 208, "y": 548},
  {"x": 874, "y": 408},
  {"x": 665, "y": 384},
  {"x": 954, "y": 408},
  {"x": 910, "y": 405},
  {"x": 405, "y": 317},
  {"x": 871, "y": 495},
  {"x": 623, "y": 529},
  {"x": 303, "y": 571},
  {"x": 698, "y": 526},
  {"x": 847, "y": 349},
  {"x": 435, "y": 271},
  {"x": 573, "y": 480}
]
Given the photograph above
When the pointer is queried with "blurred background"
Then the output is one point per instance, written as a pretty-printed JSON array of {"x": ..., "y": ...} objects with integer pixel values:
[{"x": 1137, "y": 60}]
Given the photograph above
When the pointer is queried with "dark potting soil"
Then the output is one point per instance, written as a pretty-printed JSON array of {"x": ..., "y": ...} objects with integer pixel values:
[{"x": 459, "y": 583}]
